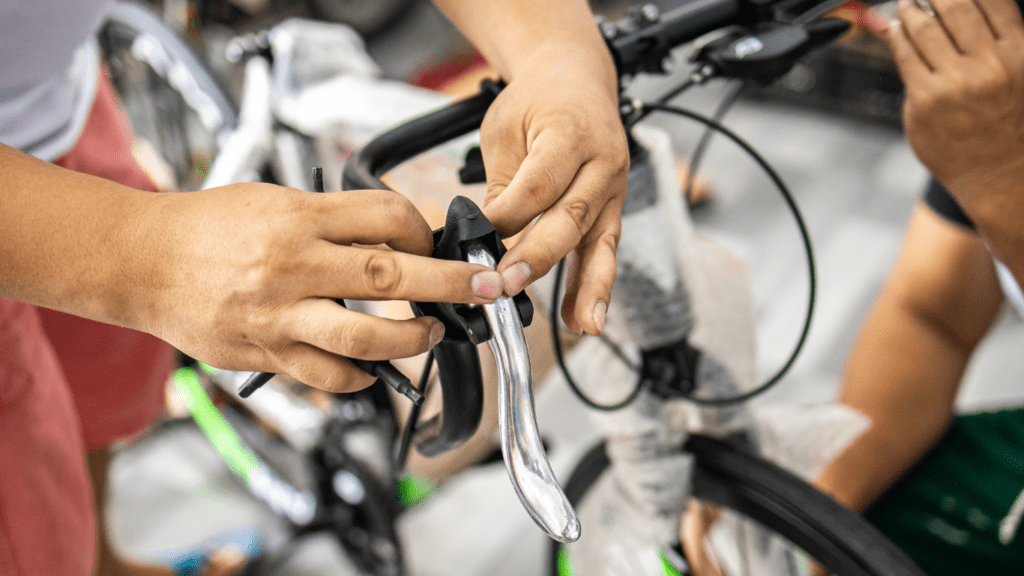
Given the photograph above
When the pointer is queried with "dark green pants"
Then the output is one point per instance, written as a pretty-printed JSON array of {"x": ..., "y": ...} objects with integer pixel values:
[{"x": 946, "y": 512}]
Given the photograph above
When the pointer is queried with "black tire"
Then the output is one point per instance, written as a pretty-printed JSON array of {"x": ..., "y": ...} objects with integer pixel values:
[
  {"x": 837, "y": 538},
  {"x": 171, "y": 100}
]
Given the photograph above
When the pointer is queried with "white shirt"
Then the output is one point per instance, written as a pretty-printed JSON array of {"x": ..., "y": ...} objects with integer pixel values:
[{"x": 49, "y": 69}]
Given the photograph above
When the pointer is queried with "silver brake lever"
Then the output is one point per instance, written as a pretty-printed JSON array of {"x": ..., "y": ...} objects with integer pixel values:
[{"x": 525, "y": 459}]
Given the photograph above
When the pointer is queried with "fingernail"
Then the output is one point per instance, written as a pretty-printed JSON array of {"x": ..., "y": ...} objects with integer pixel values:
[
  {"x": 487, "y": 285},
  {"x": 516, "y": 277},
  {"x": 599, "y": 311},
  {"x": 436, "y": 334}
]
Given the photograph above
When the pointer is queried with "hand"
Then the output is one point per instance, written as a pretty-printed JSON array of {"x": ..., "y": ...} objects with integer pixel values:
[
  {"x": 697, "y": 522},
  {"x": 243, "y": 277},
  {"x": 964, "y": 114},
  {"x": 554, "y": 146}
]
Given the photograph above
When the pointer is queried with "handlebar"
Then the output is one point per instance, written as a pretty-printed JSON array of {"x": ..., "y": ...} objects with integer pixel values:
[
  {"x": 362, "y": 171},
  {"x": 641, "y": 41}
]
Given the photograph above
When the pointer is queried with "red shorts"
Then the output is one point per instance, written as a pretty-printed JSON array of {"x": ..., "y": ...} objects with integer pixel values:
[
  {"x": 66, "y": 385},
  {"x": 46, "y": 518}
]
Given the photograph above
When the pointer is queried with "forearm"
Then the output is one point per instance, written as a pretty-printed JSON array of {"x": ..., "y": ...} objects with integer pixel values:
[
  {"x": 243, "y": 277},
  {"x": 509, "y": 33},
  {"x": 902, "y": 374},
  {"x": 68, "y": 239},
  {"x": 905, "y": 368}
]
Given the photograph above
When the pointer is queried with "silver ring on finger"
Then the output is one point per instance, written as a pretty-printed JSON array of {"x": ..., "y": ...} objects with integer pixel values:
[{"x": 925, "y": 7}]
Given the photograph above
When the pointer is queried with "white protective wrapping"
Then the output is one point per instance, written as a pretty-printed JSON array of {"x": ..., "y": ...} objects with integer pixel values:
[{"x": 633, "y": 512}]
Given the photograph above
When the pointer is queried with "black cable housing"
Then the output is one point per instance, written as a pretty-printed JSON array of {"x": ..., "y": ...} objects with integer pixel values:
[
  {"x": 414, "y": 416},
  {"x": 787, "y": 196},
  {"x": 560, "y": 356},
  {"x": 804, "y": 236},
  {"x": 705, "y": 139}
]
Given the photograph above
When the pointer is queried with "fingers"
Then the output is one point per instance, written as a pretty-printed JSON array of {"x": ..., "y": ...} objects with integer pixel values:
[
  {"x": 545, "y": 173},
  {"x": 696, "y": 522},
  {"x": 912, "y": 66},
  {"x": 373, "y": 217},
  {"x": 965, "y": 24},
  {"x": 589, "y": 288},
  {"x": 562, "y": 227},
  {"x": 319, "y": 369},
  {"x": 572, "y": 289},
  {"x": 1003, "y": 16},
  {"x": 329, "y": 327},
  {"x": 372, "y": 274},
  {"x": 934, "y": 45}
]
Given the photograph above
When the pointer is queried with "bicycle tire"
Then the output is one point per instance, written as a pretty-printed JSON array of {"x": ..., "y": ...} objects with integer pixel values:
[
  {"x": 834, "y": 536},
  {"x": 170, "y": 98}
]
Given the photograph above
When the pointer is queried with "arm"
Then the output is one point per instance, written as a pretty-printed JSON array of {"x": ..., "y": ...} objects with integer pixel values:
[
  {"x": 240, "y": 277},
  {"x": 906, "y": 365},
  {"x": 553, "y": 145},
  {"x": 964, "y": 112}
]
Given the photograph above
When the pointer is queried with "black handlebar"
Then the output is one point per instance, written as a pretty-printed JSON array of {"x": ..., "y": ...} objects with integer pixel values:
[
  {"x": 641, "y": 41},
  {"x": 363, "y": 170}
]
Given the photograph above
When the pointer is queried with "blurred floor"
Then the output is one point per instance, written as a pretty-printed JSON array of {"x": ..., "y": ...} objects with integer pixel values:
[{"x": 855, "y": 181}]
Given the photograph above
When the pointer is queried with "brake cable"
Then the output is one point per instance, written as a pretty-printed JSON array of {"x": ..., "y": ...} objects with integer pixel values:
[{"x": 812, "y": 278}]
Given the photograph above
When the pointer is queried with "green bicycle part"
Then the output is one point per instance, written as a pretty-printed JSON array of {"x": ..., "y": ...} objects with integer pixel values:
[
  {"x": 667, "y": 569},
  {"x": 225, "y": 440},
  {"x": 565, "y": 566},
  {"x": 413, "y": 491},
  {"x": 209, "y": 369}
]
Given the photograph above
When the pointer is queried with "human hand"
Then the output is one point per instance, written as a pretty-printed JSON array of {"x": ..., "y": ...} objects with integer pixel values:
[
  {"x": 964, "y": 113},
  {"x": 245, "y": 276},
  {"x": 697, "y": 522},
  {"x": 553, "y": 145}
]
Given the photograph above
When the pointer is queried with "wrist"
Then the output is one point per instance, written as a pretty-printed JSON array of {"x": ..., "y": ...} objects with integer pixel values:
[
  {"x": 581, "y": 52},
  {"x": 130, "y": 283},
  {"x": 559, "y": 65},
  {"x": 994, "y": 202},
  {"x": 518, "y": 36}
]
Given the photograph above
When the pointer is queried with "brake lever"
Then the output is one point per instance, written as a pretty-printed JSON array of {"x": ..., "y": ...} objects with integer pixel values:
[
  {"x": 470, "y": 237},
  {"x": 457, "y": 358},
  {"x": 525, "y": 458}
]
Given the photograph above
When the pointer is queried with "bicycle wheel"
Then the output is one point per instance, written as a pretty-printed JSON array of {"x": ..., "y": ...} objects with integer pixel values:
[
  {"x": 177, "y": 110},
  {"x": 781, "y": 515}
]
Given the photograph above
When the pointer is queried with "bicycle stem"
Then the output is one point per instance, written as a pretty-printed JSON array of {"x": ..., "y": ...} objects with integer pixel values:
[{"x": 523, "y": 451}]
